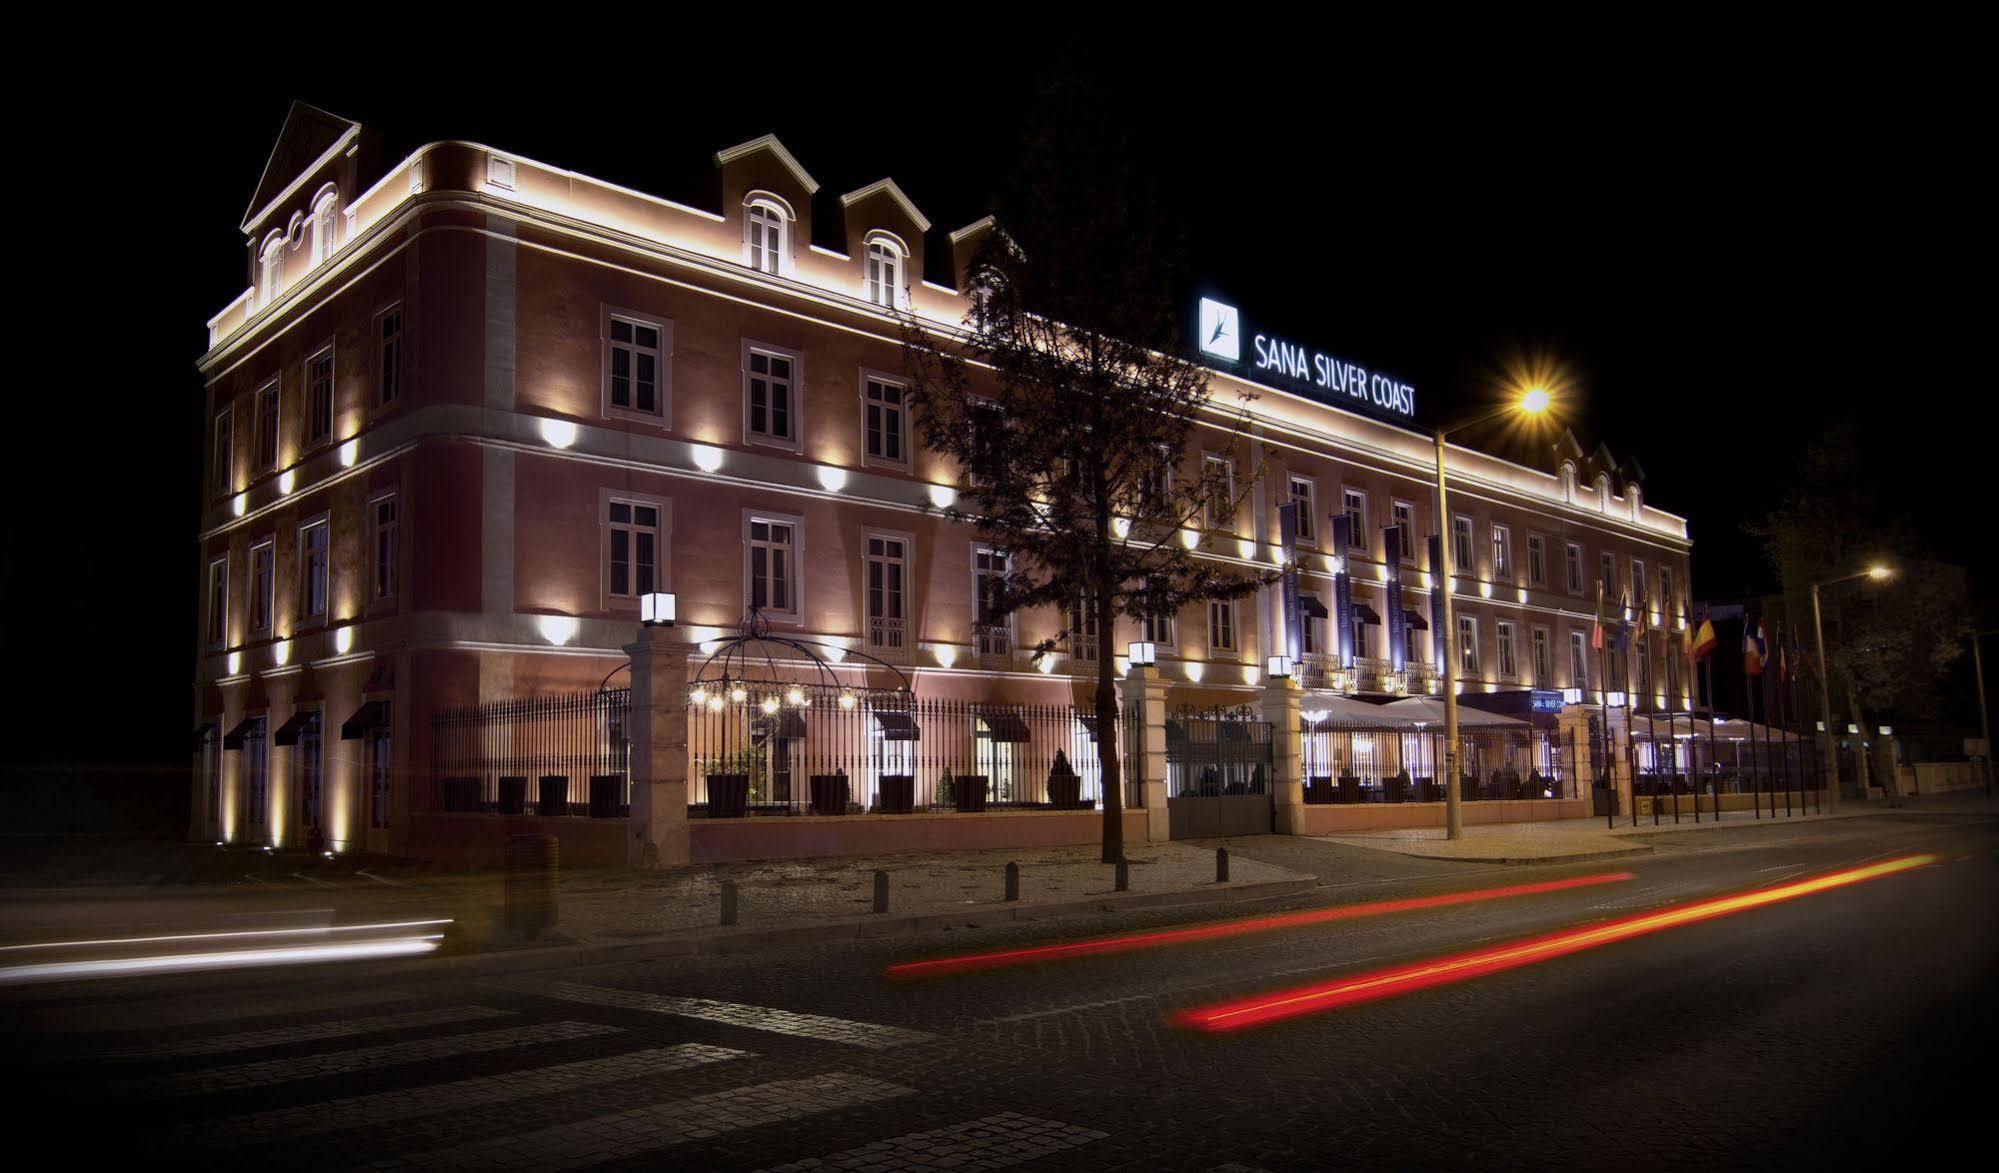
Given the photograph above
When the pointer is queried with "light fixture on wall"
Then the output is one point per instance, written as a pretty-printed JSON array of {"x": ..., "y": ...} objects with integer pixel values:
[
  {"x": 707, "y": 457},
  {"x": 343, "y": 640},
  {"x": 281, "y": 652},
  {"x": 239, "y": 503},
  {"x": 832, "y": 479},
  {"x": 558, "y": 433},
  {"x": 349, "y": 453},
  {"x": 286, "y": 481},
  {"x": 942, "y": 496},
  {"x": 235, "y": 663},
  {"x": 657, "y": 609},
  {"x": 557, "y": 629},
  {"x": 1142, "y": 654},
  {"x": 1278, "y": 668}
]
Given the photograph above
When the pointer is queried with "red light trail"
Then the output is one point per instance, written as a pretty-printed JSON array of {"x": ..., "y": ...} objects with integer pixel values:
[
  {"x": 1097, "y": 946},
  {"x": 1402, "y": 979}
]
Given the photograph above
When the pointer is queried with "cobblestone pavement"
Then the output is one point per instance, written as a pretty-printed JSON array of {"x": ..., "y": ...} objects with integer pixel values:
[{"x": 1839, "y": 1029}]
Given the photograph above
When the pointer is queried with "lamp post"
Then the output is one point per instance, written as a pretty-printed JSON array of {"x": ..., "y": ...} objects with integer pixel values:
[
  {"x": 1533, "y": 403},
  {"x": 1831, "y": 747}
]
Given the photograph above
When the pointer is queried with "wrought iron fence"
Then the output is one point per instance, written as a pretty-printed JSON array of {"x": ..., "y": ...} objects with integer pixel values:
[
  {"x": 798, "y": 749},
  {"x": 1219, "y": 752},
  {"x": 564, "y": 754}
]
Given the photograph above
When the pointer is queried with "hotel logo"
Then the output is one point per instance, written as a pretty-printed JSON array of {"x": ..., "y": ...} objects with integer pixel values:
[{"x": 1221, "y": 330}]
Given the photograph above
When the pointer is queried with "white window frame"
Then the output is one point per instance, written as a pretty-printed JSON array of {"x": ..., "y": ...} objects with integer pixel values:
[
  {"x": 1508, "y": 651},
  {"x": 275, "y": 387},
  {"x": 1308, "y": 507},
  {"x": 307, "y": 617},
  {"x": 1210, "y": 463},
  {"x": 1572, "y": 567},
  {"x": 1638, "y": 585},
  {"x": 388, "y": 377},
  {"x": 271, "y": 268},
  {"x": 1537, "y": 560},
  {"x": 325, "y": 221},
  {"x": 988, "y": 552},
  {"x": 795, "y": 409},
  {"x": 1578, "y": 659},
  {"x": 907, "y": 561},
  {"x": 1502, "y": 554},
  {"x": 1403, "y": 513},
  {"x": 1542, "y": 656},
  {"x": 884, "y": 379},
  {"x": 885, "y": 262},
  {"x": 1667, "y": 600},
  {"x": 1079, "y": 619},
  {"x": 1358, "y": 539},
  {"x": 1606, "y": 565},
  {"x": 758, "y": 251},
  {"x": 313, "y": 435},
  {"x": 376, "y": 595},
  {"x": 1464, "y": 545},
  {"x": 216, "y": 633},
  {"x": 1224, "y": 610},
  {"x": 662, "y": 355},
  {"x": 1468, "y": 645},
  {"x": 264, "y": 596},
  {"x": 751, "y": 517},
  {"x": 662, "y": 538},
  {"x": 222, "y": 472}
]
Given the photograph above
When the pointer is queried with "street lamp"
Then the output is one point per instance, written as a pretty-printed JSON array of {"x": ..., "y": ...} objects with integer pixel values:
[
  {"x": 1534, "y": 401},
  {"x": 1878, "y": 572}
]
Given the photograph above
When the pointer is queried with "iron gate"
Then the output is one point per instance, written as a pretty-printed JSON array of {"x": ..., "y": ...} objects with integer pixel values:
[{"x": 1219, "y": 773}]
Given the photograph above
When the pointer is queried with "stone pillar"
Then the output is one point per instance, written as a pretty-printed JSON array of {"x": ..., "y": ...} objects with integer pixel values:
[
  {"x": 1144, "y": 685},
  {"x": 658, "y": 731},
  {"x": 1281, "y": 702}
]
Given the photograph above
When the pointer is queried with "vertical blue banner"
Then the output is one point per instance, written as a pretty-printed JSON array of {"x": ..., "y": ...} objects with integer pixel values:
[
  {"x": 1440, "y": 640},
  {"x": 1392, "y": 539},
  {"x": 1343, "y": 590},
  {"x": 1294, "y": 619}
]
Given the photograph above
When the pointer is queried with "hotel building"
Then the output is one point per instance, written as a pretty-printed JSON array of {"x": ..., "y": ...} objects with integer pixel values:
[{"x": 470, "y": 407}]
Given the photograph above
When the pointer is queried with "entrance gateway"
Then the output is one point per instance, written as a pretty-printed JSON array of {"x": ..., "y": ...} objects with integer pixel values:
[{"x": 1219, "y": 772}]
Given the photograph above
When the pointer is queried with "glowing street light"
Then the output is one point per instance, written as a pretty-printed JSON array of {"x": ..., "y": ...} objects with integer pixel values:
[{"x": 1879, "y": 572}]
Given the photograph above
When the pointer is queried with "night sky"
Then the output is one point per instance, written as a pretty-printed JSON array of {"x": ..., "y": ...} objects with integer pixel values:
[{"x": 1714, "y": 249}]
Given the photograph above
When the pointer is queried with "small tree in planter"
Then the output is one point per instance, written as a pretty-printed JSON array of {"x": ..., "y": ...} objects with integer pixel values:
[
  {"x": 1065, "y": 788},
  {"x": 945, "y": 783},
  {"x": 729, "y": 777}
]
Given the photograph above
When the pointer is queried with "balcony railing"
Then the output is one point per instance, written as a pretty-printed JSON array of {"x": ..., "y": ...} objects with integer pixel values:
[
  {"x": 995, "y": 644},
  {"x": 887, "y": 640}
]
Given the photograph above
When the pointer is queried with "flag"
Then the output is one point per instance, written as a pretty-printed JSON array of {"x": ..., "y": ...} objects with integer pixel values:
[
  {"x": 1752, "y": 648},
  {"x": 1596, "y": 629},
  {"x": 1705, "y": 639},
  {"x": 1624, "y": 624}
]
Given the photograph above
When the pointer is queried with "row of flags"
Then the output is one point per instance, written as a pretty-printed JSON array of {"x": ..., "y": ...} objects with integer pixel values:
[{"x": 1613, "y": 626}]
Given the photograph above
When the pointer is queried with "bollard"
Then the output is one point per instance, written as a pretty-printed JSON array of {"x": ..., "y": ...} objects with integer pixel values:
[
  {"x": 1221, "y": 865},
  {"x": 1012, "y": 881},
  {"x": 1123, "y": 875},
  {"x": 728, "y": 902},
  {"x": 531, "y": 861},
  {"x": 881, "y": 891}
]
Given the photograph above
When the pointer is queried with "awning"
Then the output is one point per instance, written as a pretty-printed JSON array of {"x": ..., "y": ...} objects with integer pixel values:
[
  {"x": 1089, "y": 724},
  {"x": 898, "y": 726},
  {"x": 1367, "y": 614},
  {"x": 289, "y": 732},
  {"x": 1415, "y": 619},
  {"x": 1006, "y": 728},
  {"x": 1312, "y": 607},
  {"x": 204, "y": 731},
  {"x": 372, "y": 715},
  {"x": 235, "y": 737}
]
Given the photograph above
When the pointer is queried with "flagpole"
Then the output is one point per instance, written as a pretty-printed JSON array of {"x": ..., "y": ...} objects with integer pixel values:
[{"x": 1713, "y": 765}]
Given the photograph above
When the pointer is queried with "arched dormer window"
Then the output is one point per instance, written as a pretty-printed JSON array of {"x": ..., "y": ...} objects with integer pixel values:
[
  {"x": 1636, "y": 493},
  {"x": 325, "y": 208},
  {"x": 1603, "y": 492},
  {"x": 271, "y": 268},
  {"x": 767, "y": 234},
  {"x": 884, "y": 283},
  {"x": 1568, "y": 482}
]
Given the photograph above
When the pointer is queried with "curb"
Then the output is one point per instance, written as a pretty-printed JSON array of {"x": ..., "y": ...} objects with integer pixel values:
[{"x": 1578, "y": 857}]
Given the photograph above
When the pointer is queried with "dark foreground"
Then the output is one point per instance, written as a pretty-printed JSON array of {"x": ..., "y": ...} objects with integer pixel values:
[{"x": 1849, "y": 1028}]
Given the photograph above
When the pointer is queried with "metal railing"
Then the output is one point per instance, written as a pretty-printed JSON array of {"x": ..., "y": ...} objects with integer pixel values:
[
  {"x": 887, "y": 639},
  {"x": 1219, "y": 752},
  {"x": 994, "y": 642},
  {"x": 553, "y": 755}
]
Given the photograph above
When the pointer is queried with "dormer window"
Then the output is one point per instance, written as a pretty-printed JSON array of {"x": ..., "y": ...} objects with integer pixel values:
[
  {"x": 1603, "y": 492},
  {"x": 1568, "y": 482},
  {"x": 271, "y": 269},
  {"x": 766, "y": 233},
  {"x": 1637, "y": 501},
  {"x": 885, "y": 259},
  {"x": 323, "y": 208}
]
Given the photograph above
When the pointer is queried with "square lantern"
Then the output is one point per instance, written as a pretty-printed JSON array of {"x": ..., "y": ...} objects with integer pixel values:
[
  {"x": 656, "y": 610},
  {"x": 1143, "y": 653}
]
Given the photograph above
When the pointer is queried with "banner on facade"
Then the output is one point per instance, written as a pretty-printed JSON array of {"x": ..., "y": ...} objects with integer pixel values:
[
  {"x": 1294, "y": 619},
  {"x": 1343, "y": 590},
  {"x": 1398, "y": 626},
  {"x": 1439, "y": 638}
]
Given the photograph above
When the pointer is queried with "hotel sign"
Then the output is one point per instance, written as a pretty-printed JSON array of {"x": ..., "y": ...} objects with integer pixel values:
[{"x": 1225, "y": 341}]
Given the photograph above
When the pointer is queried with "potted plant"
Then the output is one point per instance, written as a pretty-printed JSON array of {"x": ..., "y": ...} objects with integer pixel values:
[
  {"x": 729, "y": 783},
  {"x": 1065, "y": 788},
  {"x": 945, "y": 785}
]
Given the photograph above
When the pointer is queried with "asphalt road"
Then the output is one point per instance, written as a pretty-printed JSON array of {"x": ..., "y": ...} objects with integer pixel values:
[{"x": 1848, "y": 1028}]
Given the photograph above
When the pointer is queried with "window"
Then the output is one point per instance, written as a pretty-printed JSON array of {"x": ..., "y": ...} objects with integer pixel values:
[
  {"x": 635, "y": 352},
  {"x": 1607, "y": 567},
  {"x": 989, "y": 448},
  {"x": 312, "y": 570},
  {"x": 323, "y": 220},
  {"x": 633, "y": 546},
  {"x": 1356, "y": 508},
  {"x": 1638, "y": 583},
  {"x": 1404, "y": 515},
  {"x": 311, "y": 772},
  {"x": 1158, "y": 629},
  {"x": 222, "y": 473},
  {"x": 1502, "y": 554},
  {"x": 271, "y": 270},
  {"x": 1221, "y": 625},
  {"x": 389, "y": 354},
  {"x": 1359, "y": 627},
  {"x": 1644, "y": 669},
  {"x": 386, "y": 529},
  {"x": 1080, "y": 621},
  {"x": 1462, "y": 561},
  {"x": 267, "y": 425},
  {"x": 319, "y": 396},
  {"x": 1467, "y": 645},
  {"x": 380, "y": 761},
  {"x": 1544, "y": 663},
  {"x": 1218, "y": 494},
  {"x": 884, "y": 419},
  {"x": 991, "y": 627},
  {"x": 1508, "y": 666},
  {"x": 263, "y": 581},
  {"x": 773, "y": 573},
  {"x": 1155, "y": 487},
  {"x": 1537, "y": 560},
  {"x": 884, "y": 285},
  {"x": 1575, "y": 568},
  {"x": 1310, "y": 638},
  {"x": 885, "y": 574},
  {"x": 218, "y": 602},
  {"x": 1668, "y": 603},
  {"x": 765, "y": 226},
  {"x": 256, "y": 774},
  {"x": 1302, "y": 492},
  {"x": 1578, "y": 660},
  {"x": 769, "y": 402}
]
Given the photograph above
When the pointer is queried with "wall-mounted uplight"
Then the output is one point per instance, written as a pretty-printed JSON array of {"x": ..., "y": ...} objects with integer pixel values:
[
  {"x": 942, "y": 496},
  {"x": 1887, "y": 731},
  {"x": 1852, "y": 728},
  {"x": 1249, "y": 674},
  {"x": 836, "y": 653},
  {"x": 557, "y": 629},
  {"x": 343, "y": 640},
  {"x": 235, "y": 663},
  {"x": 656, "y": 610},
  {"x": 832, "y": 479},
  {"x": 349, "y": 453},
  {"x": 1045, "y": 665},
  {"x": 286, "y": 481},
  {"x": 1278, "y": 668},
  {"x": 1120, "y": 527},
  {"x": 281, "y": 652},
  {"x": 1196, "y": 670},
  {"x": 1189, "y": 538},
  {"x": 707, "y": 457},
  {"x": 946, "y": 655},
  {"x": 558, "y": 433},
  {"x": 1142, "y": 654},
  {"x": 1485, "y": 590},
  {"x": 238, "y": 504}
]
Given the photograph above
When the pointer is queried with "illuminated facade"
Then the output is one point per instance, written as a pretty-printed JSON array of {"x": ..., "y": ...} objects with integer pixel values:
[{"x": 470, "y": 406}]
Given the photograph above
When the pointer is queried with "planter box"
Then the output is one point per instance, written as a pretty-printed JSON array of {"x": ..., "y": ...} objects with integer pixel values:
[
  {"x": 554, "y": 796},
  {"x": 458, "y": 795},
  {"x": 969, "y": 792},
  {"x": 897, "y": 795},
  {"x": 1427, "y": 790},
  {"x": 728, "y": 796},
  {"x": 1319, "y": 789},
  {"x": 1065, "y": 791},
  {"x": 1397, "y": 789},
  {"x": 513, "y": 794},
  {"x": 829, "y": 794},
  {"x": 607, "y": 796},
  {"x": 1349, "y": 788}
]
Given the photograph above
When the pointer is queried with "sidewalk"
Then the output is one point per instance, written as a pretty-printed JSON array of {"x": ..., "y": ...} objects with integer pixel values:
[{"x": 1584, "y": 839}]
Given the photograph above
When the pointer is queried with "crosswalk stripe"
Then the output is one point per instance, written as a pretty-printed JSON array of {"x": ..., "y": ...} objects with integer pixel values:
[
  {"x": 873, "y": 1036},
  {"x": 408, "y": 1103},
  {"x": 637, "y": 1130},
  {"x": 270, "y": 1071},
  {"x": 206, "y": 1009},
  {"x": 308, "y": 1032},
  {"x": 991, "y": 1142}
]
